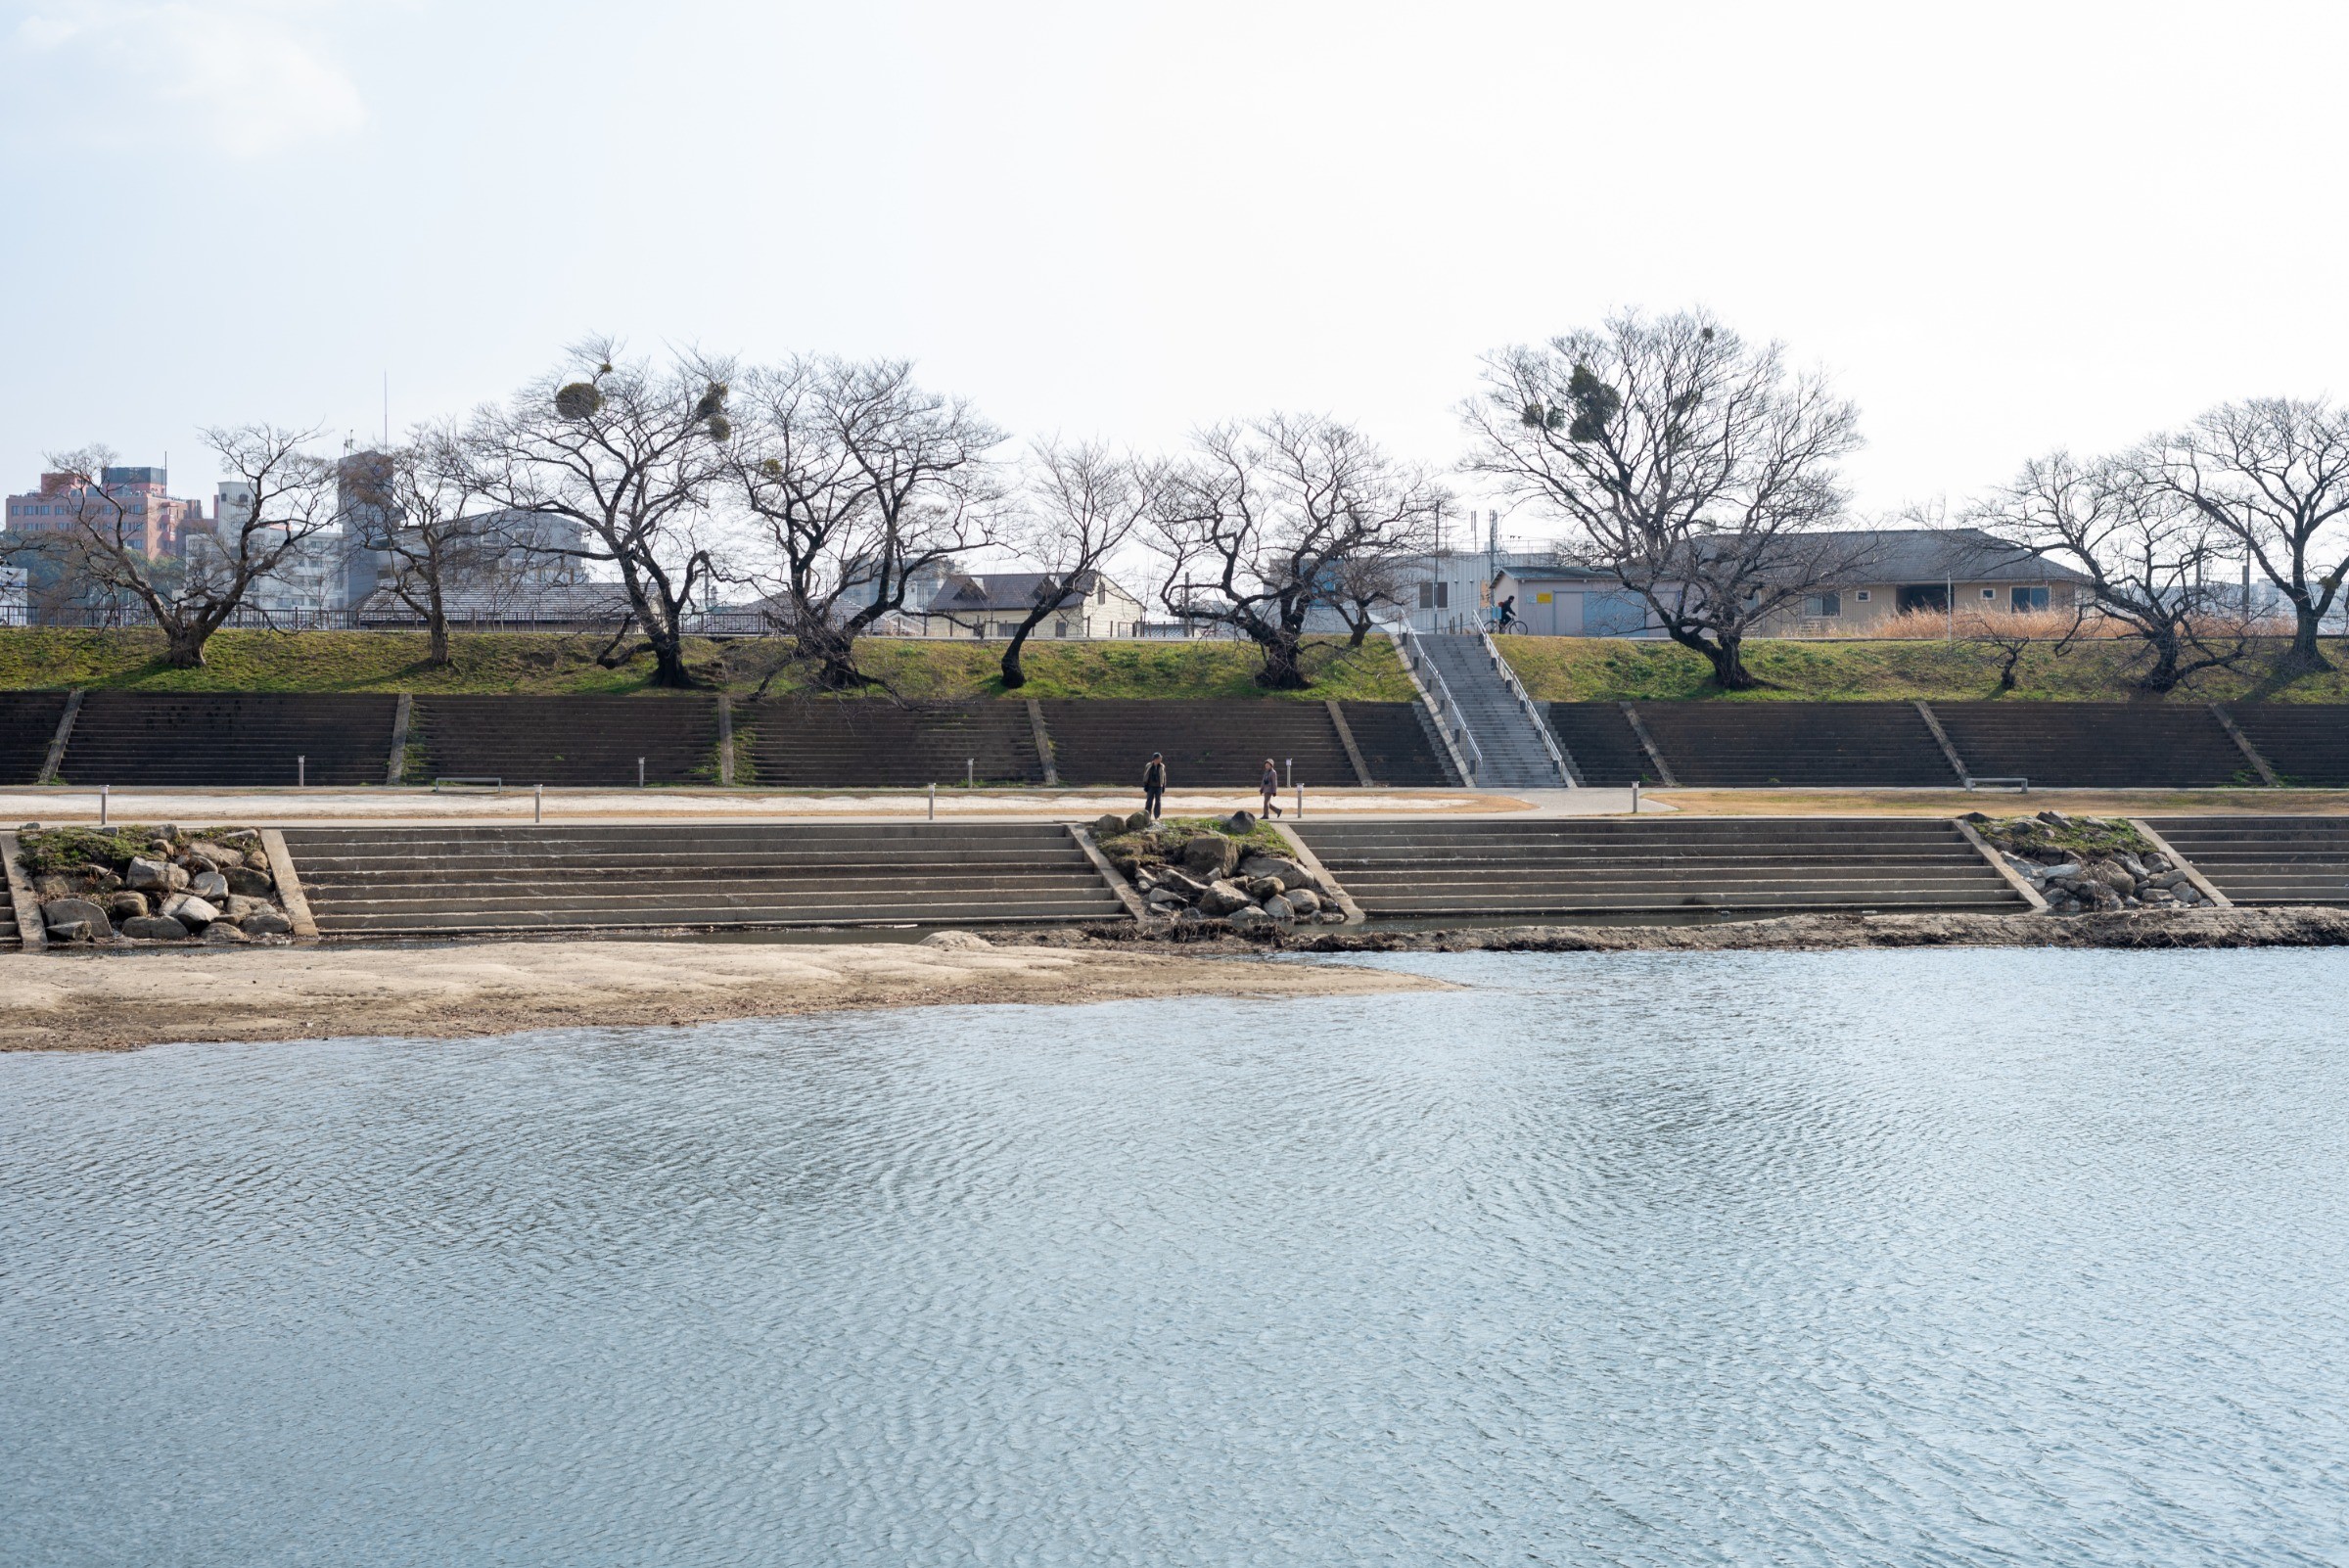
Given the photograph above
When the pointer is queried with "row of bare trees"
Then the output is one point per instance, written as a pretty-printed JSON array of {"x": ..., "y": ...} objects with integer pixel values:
[
  {"x": 1696, "y": 471},
  {"x": 1700, "y": 474},
  {"x": 820, "y": 490}
]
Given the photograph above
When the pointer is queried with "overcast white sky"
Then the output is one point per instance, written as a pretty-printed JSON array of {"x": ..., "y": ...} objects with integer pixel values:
[{"x": 2003, "y": 228}]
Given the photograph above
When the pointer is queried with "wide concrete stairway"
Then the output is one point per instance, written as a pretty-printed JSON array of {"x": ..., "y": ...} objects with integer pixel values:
[
  {"x": 2307, "y": 744},
  {"x": 590, "y": 741},
  {"x": 228, "y": 740},
  {"x": 366, "y": 881},
  {"x": 860, "y": 742},
  {"x": 1398, "y": 745},
  {"x": 2266, "y": 860},
  {"x": 27, "y": 724},
  {"x": 2096, "y": 744},
  {"x": 1509, "y": 738},
  {"x": 1605, "y": 749},
  {"x": 1758, "y": 745},
  {"x": 1527, "y": 868},
  {"x": 1208, "y": 743}
]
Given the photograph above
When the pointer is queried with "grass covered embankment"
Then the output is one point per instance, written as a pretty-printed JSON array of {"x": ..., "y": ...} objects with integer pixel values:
[
  {"x": 1580, "y": 670},
  {"x": 551, "y": 664}
]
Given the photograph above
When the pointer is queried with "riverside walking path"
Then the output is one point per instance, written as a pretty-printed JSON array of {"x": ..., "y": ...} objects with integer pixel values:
[{"x": 273, "y": 806}]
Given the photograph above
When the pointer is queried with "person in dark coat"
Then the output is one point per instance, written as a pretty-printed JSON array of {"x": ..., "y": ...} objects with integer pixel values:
[
  {"x": 1270, "y": 786},
  {"x": 1154, "y": 784}
]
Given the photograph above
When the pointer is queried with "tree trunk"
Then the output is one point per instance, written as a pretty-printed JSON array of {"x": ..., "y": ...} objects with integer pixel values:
[
  {"x": 183, "y": 646},
  {"x": 1014, "y": 677},
  {"x": 2163, "y": 677},
  {"x": 437, "y": 627},
  {"x": 1283, "y": 667},
  {"x": 2304, "y": 658},
  {"x": 1725, "y": 653},
  {"x": 1361, "y": 631},
  {"x": 668, "y": 663}
]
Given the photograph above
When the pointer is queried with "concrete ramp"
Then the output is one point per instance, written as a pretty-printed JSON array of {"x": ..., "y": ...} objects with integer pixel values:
[
  {"x": 425, "y": 881},
  {"x": 1532, "y": 868}
]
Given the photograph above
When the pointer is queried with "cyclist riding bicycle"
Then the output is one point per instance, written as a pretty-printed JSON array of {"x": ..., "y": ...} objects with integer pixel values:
[{"x": 1505, "y": 615}]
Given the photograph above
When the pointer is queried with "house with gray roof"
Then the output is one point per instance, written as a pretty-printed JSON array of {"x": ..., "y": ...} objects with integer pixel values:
[{"x": 1934, "y": 571}]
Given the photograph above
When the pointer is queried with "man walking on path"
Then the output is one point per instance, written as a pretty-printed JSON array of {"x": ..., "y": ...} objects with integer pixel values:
[
  {"x": 1154, "y": 784},
  {"x": 1270, "y": 786}
]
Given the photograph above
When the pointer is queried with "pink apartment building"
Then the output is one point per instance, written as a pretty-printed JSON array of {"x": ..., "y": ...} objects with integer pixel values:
[{"x": 151, "y": 518}]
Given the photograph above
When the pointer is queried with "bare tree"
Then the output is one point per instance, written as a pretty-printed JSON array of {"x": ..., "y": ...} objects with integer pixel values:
[
  {"x": 1261, "y": 527},
  {"x": 2147, "y": 551},
  {"x": 631, "y": 451},
  {"x": 1364, "y": 586},
  {"x": 284, "y": 498},
  {"x": 862, "y": 482},
  {"x": 414, "y": 505},
  {"x": 1697, "y": 470},
  {"x": 1084, "y": 503},
  {"x": 2274, "y": 474}
]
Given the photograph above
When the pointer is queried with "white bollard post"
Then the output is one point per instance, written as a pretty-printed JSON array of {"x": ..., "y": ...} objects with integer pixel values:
[
  {"x": 302, "y": 772},
  {"x": 104, "y": 790},
  {"x": 970, "y": 772},
  {"x": 1634, "y": 797},
  {"x": 640, "y": 773},
  {"x": 933, "y": 803},
  {"x": 1300, "y": 803},
  {"x": 1290, "y": 763},
  {"x": 537, "y": 803}
]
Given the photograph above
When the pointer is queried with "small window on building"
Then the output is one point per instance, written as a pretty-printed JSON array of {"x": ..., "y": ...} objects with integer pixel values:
[
  {"x": 1443, "y": 595},
  {"x": 1861, "y": 596},
  {"x": 1990, "y": 593},
  {"x": 2030, "y": 599},
  {"x": 1427, "y": 596},
  {"x": 1820, "y": 606}
]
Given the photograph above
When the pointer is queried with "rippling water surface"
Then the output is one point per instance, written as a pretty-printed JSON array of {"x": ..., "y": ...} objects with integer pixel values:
[{"x": 1953, "y": 1258}]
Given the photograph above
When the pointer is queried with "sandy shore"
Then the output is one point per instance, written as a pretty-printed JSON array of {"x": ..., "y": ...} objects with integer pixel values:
[
  {"x": 1826, "y": 932},
  {"x": 115, "y": 1002}
]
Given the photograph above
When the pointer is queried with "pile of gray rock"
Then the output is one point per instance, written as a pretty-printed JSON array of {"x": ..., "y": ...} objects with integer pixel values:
[
  {"x": 217, "y": 889},
  {"x": 1213, "y": 876},
  {"x": 2078, "y": 882}
]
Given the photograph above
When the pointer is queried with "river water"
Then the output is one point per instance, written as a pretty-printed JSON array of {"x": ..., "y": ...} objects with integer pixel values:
[{"x": 1934, "y": 1257}]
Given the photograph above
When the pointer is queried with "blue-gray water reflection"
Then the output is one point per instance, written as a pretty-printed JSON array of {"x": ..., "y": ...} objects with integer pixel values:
[{"x": 1937, "y": 1257}]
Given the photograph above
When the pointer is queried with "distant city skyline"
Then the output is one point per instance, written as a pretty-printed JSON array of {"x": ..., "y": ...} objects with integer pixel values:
[{"x": 2025, "y": 228}]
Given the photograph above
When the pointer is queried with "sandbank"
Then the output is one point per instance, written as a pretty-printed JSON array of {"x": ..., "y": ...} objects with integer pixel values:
[{"x": 120, "y": 1001}]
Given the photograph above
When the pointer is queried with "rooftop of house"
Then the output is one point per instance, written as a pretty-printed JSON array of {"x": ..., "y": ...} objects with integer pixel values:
[
  {"x": 992, "y": 592},
  {"x": 1951, "y": 554}
]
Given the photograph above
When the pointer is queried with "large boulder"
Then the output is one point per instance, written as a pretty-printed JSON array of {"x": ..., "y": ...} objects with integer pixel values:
[
  {"x": 1280, "y": 909},
  {"x": 190, "y": 911},
  {"x": 1210, "y": 854},
  {"x": 1108, "y": 825},
  {"x": 211, "y": 887},
  {"x": 1249, "y": 918},
  {"x": 1289, "y": 871},
  {"x": 1173, "y": 879},
  {"x": 221, "y": 855},
  {"x": 1262, "y": 887},
  {"x": 154, "y": 928},
  {"x": 1222, "y": 898},
  {"x": 127, "y": 905},
  {"x": 1166, "y": 900},
  {"x": 1137, "y": 821},
  {"x": 150, "y": 876},
  {"x": 1240, "y": 824},
  {"x": 242, "y": 879},
  {"x": 220, "y": 931},
  {"x": 1305, "y": 901},
  {"x": 58, "y": 913}
]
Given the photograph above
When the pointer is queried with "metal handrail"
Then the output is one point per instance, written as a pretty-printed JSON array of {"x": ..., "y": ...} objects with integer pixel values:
[
  {"x": 1448, "y": 708},
  {"x": 1525, "y": 701}
]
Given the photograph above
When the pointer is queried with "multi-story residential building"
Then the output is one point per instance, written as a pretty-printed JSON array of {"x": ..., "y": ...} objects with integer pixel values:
[{"x": 153, "y": 520}]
